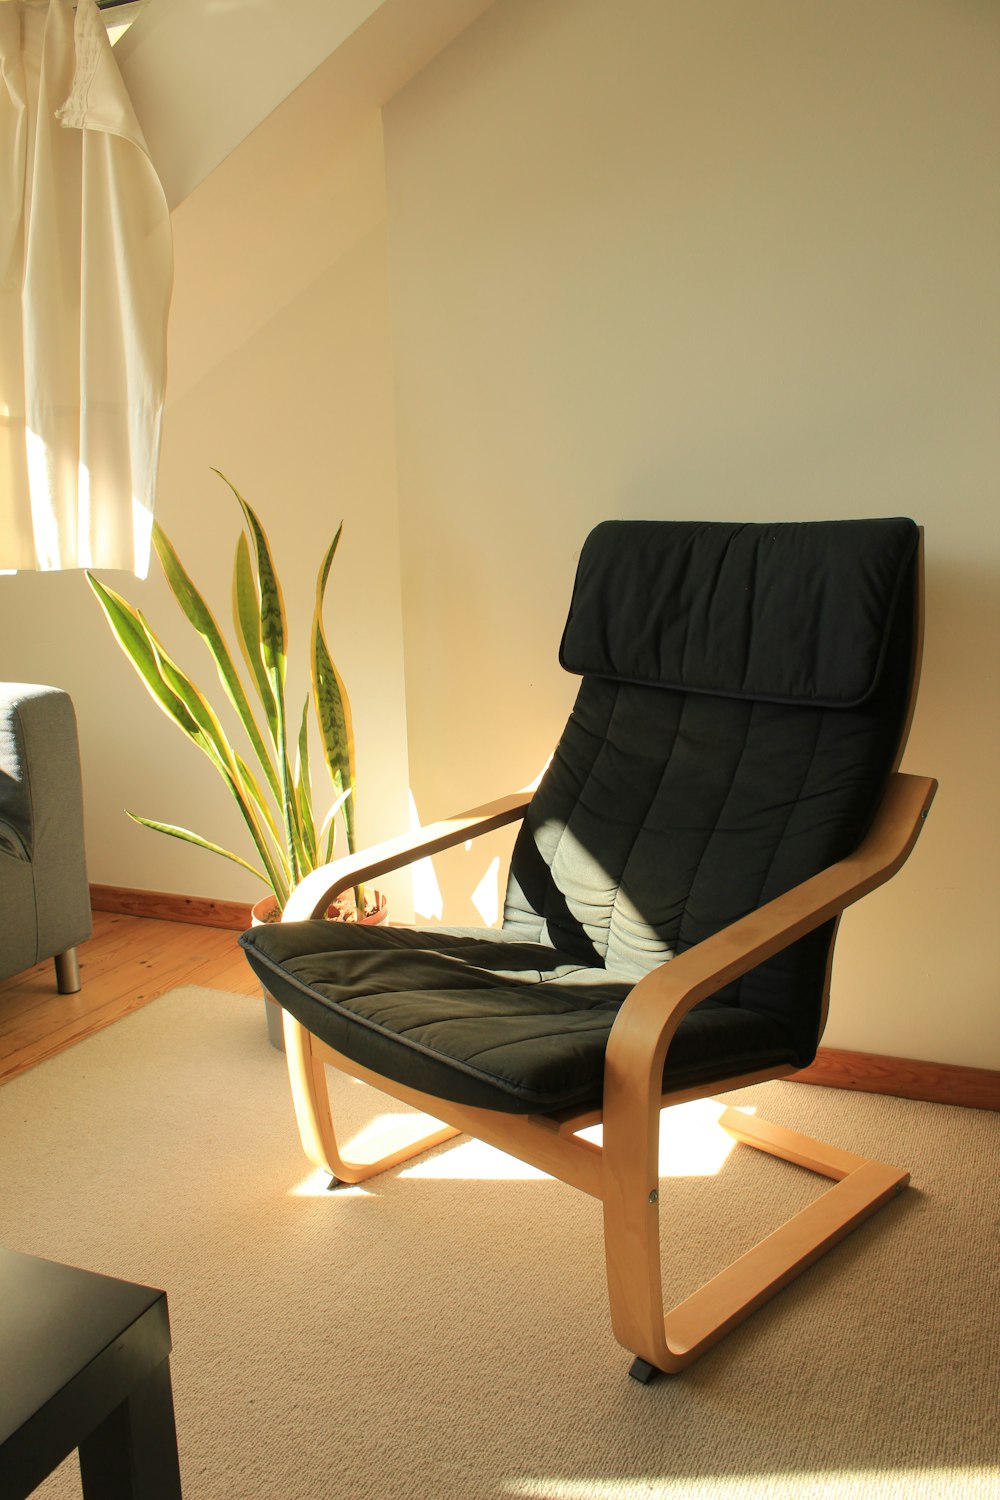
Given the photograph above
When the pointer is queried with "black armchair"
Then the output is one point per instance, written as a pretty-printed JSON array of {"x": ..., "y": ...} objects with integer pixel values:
[{"x": 726, "y": 785}]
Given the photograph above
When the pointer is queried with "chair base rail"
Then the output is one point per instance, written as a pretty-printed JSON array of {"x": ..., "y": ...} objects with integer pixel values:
[
  {"x": 669, "y": 1342},
  {"x": 862, "y": 1187},
  {"x": 661, "y": 1342}
]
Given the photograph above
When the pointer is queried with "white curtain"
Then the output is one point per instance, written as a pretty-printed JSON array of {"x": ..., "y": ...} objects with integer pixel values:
[{"x": 86, "y": 268}]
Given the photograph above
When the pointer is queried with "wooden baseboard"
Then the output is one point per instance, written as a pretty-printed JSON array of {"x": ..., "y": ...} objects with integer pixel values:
[
  {"x": 904, "y": 1077},
  {"x": 202, "y": 911}
]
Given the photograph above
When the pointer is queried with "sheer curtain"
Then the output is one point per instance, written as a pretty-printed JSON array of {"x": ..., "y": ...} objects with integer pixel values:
[{"x": 86, "y": 268}]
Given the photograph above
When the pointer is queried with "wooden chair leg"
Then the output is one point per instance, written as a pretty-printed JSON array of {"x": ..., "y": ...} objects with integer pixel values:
[
  {"x": 406, "y": 1137},
  {"x": 632, "y": 1242}
]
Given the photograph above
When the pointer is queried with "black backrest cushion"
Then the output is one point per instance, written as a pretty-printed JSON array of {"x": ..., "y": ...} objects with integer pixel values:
[
  {"x": 797, "y": 612},
  {"x": 668, "y": 812}
]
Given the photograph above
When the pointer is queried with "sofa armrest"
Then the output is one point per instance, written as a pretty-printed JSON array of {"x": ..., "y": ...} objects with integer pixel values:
[{"x": 43, "y": 870}]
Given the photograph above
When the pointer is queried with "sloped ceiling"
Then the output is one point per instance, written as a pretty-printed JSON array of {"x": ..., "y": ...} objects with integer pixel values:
[
  {"x": 203, "y": 74},
  {"x": 271, "y": 174}
]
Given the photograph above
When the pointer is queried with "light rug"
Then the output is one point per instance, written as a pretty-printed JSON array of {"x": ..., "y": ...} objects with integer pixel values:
[{"x": 443, "y": 1331}]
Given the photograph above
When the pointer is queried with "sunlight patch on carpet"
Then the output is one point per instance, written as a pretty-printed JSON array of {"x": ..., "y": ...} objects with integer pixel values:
[
  {"x": 473, "y": 1161},
  {"x": 692, "y": 1144},
  {"x": 973, "y": 1482}
]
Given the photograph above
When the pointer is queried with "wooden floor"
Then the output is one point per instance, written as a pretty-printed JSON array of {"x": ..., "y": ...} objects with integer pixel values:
[{"x": 127, "y": 963}]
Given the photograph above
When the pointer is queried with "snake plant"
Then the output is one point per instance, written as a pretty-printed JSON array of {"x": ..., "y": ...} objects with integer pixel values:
[{"x": 275, "y": 799}]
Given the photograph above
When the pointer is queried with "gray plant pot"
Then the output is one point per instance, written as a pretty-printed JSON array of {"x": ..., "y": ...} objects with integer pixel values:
[{"x": 275, "y": 1029}]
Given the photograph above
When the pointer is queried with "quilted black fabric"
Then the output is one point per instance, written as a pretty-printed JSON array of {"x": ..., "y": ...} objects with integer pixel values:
[
  {"x": 664, "y": 815},
  {"x": 791, "y": 613},
  {"x": 478, "y": 1016}
]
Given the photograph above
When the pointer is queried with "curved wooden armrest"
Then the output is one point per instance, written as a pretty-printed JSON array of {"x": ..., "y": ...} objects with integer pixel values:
[
  {"x": 313, "y": 894},
  {"x": 654, "y": 1009}
]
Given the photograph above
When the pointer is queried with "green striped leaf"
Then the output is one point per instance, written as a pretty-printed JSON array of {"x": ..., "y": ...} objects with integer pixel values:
[
  {"x": 181, "y": 701},
  {"x": 272, "y": 635},
  {"x": 246, "y": 615},
  {"x": 212, "y": 741},
  {"x": 273, "y": 629},
  {"x": 303, "y": 792},
  {"x": 333, "y": 708},
  {"x": 264, "y": 810},
  {"x": 177, "y": 698},
  {"x": 132, "y": 635},
  {"x": 247, "y": 618},
  {"x": 211, "y": 736},
  {"x": 200, "y": 616},
  {"x": 194, "y": 838}
]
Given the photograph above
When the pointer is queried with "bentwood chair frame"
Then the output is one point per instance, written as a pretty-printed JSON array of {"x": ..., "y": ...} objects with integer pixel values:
[{"x": 622, "y": 1172}]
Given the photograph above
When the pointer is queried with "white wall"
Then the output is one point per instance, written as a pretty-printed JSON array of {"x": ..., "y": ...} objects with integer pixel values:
[
  {"x": 281, "y": 377},
  {"x": 662, "y": 259}
]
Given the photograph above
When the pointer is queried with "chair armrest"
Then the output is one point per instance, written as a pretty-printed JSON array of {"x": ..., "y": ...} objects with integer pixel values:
[
  {"x": 315, "y": 891},
  {"x": 650, "y": 1015}
]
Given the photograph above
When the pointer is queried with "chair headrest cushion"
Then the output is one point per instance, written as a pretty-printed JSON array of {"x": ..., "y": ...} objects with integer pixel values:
[{"x": 796, "y": 612}]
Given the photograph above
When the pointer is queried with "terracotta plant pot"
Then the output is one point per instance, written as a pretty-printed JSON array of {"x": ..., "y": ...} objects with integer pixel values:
[{"x": 266, "y": 911}]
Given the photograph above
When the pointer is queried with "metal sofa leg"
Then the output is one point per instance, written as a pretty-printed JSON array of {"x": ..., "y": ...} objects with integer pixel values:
[{"x": 67, "y": 972}]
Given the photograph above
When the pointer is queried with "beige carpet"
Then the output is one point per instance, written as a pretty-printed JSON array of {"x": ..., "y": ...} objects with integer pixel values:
[{"x": 443, "y": 1331}]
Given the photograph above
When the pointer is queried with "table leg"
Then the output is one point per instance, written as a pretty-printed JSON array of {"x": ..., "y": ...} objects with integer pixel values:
[{"x": 132, "y": 1455}]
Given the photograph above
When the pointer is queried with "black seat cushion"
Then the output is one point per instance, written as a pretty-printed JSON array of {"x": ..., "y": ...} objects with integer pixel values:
[{"x": 481, "y": 1017}]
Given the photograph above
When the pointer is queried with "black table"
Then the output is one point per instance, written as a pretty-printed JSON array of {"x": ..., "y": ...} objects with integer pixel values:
[{"x": 84, "y": 1363}]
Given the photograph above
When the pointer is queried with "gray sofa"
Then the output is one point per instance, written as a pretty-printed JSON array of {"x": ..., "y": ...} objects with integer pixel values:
[{"x": 43, "y": 871}]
